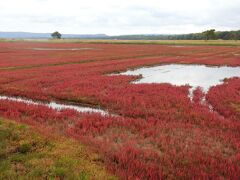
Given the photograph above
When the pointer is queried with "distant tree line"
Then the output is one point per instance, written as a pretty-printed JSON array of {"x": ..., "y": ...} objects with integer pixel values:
[
  {"x": 210, "y": 34},
  {"x": 206, "y": 35}
]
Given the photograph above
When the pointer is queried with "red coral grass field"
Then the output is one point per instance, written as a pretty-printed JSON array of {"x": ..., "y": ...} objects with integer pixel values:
[{"x": 158, "y": 133}]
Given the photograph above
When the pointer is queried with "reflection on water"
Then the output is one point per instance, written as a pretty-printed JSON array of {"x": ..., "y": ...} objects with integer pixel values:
[
  {"x": 178, "y": 74},
  {"x": 55, "y": 106}
]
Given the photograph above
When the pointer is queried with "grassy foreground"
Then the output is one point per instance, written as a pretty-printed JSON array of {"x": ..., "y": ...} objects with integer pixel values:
[{"x": 24, "y": 154}]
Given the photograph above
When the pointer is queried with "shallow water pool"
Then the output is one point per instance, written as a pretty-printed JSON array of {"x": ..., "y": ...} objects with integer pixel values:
[
  {"x": 180, "y": 74},
  {"x": 56, "y": 106}
]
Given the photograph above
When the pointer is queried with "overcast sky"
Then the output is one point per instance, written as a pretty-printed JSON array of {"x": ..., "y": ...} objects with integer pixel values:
[{"x": 116, "y": 17}]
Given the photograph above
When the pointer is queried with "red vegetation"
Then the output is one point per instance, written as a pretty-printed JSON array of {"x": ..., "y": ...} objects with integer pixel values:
[
  {"x": 206, "y": 147},
  {"x": 160, "y": 133},
  {"x": 225, "y": 98},
  {"x": 198, "y": 95}
]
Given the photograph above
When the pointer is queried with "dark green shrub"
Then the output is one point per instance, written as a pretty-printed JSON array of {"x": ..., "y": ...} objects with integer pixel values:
[{"x": 24, "y": 148}]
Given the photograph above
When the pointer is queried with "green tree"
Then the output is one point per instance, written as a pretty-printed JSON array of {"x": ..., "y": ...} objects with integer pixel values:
[
  {"x": 56, "y": 35},
  {"x": 209, "y": 34},
  {"x": 234, "y": 35}
]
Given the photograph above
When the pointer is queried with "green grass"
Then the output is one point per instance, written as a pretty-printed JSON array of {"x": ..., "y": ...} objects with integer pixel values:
[
  {"x": 25, "y": 154},
  {"x": 163, "y": 42}
]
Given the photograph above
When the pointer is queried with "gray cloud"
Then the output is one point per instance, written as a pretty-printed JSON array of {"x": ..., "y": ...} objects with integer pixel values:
[{"x": 123, "y": 17}]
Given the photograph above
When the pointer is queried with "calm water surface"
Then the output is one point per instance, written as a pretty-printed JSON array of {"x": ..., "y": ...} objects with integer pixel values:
[
  {"x": 178, "y": 74},
  {"x": 56, "y": 106}
]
